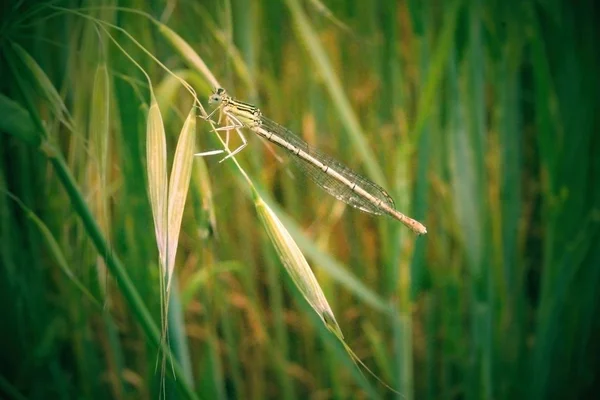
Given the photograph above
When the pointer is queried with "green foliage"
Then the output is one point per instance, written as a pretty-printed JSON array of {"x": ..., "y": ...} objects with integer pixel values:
[{"x": 480, "y": 118}]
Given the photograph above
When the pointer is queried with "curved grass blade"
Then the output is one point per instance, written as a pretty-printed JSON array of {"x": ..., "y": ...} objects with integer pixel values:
[
  {"x": 44, "y": 85},
  {"x": 16, "y": 121},
  {"x": 156, "y": 158},
  {"x": 295, "y": 264},
  {"x": 113, "y": 263},
  {"x": 56, "y": 251},
  {"x": 188, "y": 53},
  {"x": 179, "y": 183}
]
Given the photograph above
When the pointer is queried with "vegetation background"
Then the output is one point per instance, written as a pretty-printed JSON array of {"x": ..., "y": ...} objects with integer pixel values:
[{"x": 480, "y": 118}]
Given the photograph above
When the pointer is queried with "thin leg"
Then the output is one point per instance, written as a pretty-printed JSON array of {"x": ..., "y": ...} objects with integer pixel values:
[
  {"x": 209, "y": 153},
  {"x": 235, "y": 125},
  {"x": 207, "y": 118},
  {"x": 240, "y": 148},
  {"x": 214, "y": 152},
  {"x": 225, "y": 128},
  {"x": 227, "y": 138}
]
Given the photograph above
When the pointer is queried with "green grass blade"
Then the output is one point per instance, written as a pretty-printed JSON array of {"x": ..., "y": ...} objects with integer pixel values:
[{"x": 17, "y": 122}]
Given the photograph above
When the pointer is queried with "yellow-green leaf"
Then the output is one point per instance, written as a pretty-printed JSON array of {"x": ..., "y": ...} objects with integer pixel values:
[
  {"x": 296, "y": 265},
  {"x": 156, "y": 157},
  {"x": 179, "y": 183}
]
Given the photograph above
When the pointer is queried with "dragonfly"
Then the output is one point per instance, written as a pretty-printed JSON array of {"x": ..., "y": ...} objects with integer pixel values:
[{"x": 331, "y": 175}]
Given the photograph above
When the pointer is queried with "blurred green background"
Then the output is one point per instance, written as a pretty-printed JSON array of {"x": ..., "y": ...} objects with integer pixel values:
[{"x": 480, "y": 118}]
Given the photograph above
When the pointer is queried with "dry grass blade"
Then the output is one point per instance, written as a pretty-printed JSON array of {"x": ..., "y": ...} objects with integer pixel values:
[
  {"x": 179, "y": 184},
  {"x": 303, "y": 277},
  {"x": 188, "y": 53},
  {"x": 156, "y": 157},
  {"x": 296, "y": 265}
]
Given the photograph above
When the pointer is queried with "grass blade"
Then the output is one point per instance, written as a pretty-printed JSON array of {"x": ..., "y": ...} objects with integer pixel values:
[
  {"x": 179, "y": 183},
  {"x": 295, "y": 264},
  {"x": 17, "y": 122},
  {"x": 44, "y": 85},
  {"x": 156, "y": 157},
  {"x": 97, "y": 169},
  {"x": 188, "y": 53}
]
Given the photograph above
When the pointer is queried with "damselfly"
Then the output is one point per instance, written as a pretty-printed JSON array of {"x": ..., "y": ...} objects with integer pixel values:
[{"x": 334, "y": 177}]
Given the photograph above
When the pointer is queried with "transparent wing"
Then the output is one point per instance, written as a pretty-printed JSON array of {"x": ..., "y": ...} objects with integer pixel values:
[{"x": 331, "y": 185}]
